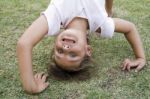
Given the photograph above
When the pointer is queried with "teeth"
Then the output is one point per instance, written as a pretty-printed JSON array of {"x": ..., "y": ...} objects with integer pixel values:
[{"x": 68, "y": 40}]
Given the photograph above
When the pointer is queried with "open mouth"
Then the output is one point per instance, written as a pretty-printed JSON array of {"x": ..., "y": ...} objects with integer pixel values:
[{"x": 68, "y": 40}]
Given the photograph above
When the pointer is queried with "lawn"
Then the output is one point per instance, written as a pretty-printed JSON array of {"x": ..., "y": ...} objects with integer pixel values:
[{"x": 106, "y": 80}]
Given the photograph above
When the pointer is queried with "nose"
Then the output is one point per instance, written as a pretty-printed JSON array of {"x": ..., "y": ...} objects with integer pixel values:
[{"x": 66, "y": 47}]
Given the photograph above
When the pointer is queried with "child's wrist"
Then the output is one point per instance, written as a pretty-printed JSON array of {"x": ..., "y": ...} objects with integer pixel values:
[{"x": 141, "y": 58}]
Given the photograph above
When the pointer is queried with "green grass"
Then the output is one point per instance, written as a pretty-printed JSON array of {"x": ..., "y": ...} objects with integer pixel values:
[{"x": 107, "y": 81}]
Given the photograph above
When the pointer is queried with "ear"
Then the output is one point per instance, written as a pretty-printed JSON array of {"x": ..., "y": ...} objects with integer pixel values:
[{"x": 88, "y": 50}]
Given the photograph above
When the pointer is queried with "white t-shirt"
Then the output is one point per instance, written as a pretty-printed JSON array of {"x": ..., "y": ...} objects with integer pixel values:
[{"x": 63, "y": 11}]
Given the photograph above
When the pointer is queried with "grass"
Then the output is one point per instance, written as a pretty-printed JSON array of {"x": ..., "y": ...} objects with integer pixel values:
[{"x": 107, "y": 80}]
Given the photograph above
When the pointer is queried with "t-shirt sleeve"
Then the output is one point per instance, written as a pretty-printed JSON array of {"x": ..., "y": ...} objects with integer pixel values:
[
  {"x": 53, "y": 19},
  {"x": 108, "y": 28}
]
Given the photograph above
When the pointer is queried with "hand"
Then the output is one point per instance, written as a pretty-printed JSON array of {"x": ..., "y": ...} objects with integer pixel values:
[
  {"x": 139, "y": 63},
  {"x": 41, "y": 84}
]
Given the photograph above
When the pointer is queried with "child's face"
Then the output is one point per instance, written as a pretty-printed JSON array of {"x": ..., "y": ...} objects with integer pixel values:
[{"x": 70, "y": 49}]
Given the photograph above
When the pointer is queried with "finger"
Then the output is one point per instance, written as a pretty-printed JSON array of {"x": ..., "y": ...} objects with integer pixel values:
[
  {"x": 125, "y": 65},
  {"x": 44, "y": 77},
  {"x": 128, "y": 67},
  {"x": 36, "y": 76},
  {"x": 126, "y": 61},
  {"x": 132, "y": 65},
  {"x": 139, "y": 67},
  {"x": 46, "y": 84},
  {"x": 40, "y": 75}
]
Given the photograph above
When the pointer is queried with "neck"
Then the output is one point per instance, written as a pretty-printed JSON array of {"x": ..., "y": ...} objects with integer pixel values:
[{"x": 80, "y": 24}]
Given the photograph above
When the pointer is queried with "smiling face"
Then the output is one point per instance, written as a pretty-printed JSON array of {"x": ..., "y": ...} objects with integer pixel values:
[{"x": 70, "y": 49}]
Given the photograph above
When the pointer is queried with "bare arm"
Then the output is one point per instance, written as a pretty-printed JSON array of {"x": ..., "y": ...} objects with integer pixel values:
[
  {"x": 25, "y": 44},
  {"x": 108, "y": 7},
  {"x": 134, "y": 40}
]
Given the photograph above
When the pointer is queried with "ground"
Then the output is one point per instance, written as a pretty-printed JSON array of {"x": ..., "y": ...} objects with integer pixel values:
[{"x": 106, "y": 80}]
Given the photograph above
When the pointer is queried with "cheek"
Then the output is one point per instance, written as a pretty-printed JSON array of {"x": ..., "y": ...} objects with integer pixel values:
[
  {"x": 58, "y": 43},
  {"x": 81, "y": 53},
  {"x": 82, "y": 43},
  {"x": 58, "y": 39},
  {"x": 81, "y": 48}
]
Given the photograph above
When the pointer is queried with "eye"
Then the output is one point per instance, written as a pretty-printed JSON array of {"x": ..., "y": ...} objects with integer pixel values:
[{"x": 60, "y": 51}]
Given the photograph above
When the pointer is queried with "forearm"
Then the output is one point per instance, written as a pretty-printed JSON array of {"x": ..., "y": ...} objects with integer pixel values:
[
  {"x": 131, "y": 34},
  {"x": 24, "y": 52},
  {"x": 27, "y": 41},
  {"x": 135, "y": 41}
]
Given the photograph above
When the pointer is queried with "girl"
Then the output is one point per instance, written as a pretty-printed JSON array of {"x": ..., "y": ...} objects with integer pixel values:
[{"x": 71, "y": 47}]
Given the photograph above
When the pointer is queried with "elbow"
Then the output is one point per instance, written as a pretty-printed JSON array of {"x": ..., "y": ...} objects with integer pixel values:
[
  {"x": 23, "y": 47},
  {"x": 132, "y": 27},
  {"x": 20, "y": 46},
  {"x": 23, "y": 43}
]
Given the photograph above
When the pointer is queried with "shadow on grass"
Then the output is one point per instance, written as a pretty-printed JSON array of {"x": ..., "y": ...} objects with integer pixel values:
[{"x": 81, "y": 75}]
